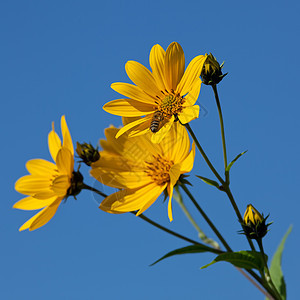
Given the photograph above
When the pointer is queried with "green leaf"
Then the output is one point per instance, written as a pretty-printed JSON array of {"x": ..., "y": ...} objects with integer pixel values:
[
  {"x": 209, "y": 181},
  {"x": 231, "y": 164},
  {"x": 275, "y": 268},
  {"x": 241, "y": 259},
  {"x": 187, "y": 250}
]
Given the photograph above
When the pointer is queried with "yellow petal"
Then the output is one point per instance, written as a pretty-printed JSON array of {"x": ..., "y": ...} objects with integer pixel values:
[
  {"x": 113, "y": 163},
  {"x": 172, "y": 142},
  {"x": 157, "y": 60},
  {"x": 65, "y": 161},
  {"x": 41, "y": 167},
  {"x": 158, "y": 136},
  {"x": 42, "y": 217},
  {"x": 142, "y": 77},
  {"x": 174, "y": 174},
  {"x": 181, "y": 147},
  {"x": 130, "y": 199},
  {"x": 31, "y": 184},
  {"x": 30, "y": 203},
  {"x": 133, "y": 92},
  {"x": 60, "y": 185},
  {"x": 121, "y": 180},
  {"x": 128, "y": 108},
  {"x": 170, "y": 192},
  {"x": 191, "y": 74},
  {"x": 140, "y": 130},
  {"x": 187, "y": 164},
  {"x": 54, "y": 142},
  {"x": 127, "y": 120},
  {"x": 156, "y": 191},
  {"x": 193, "y": 95},
  {"x": 133, "y": 125},
  {"x": 67, "y": 140},
  {"x": 46, "y": 194},
  {"x": 189, "y": 113},
  {"x": 174, "y": 65}
]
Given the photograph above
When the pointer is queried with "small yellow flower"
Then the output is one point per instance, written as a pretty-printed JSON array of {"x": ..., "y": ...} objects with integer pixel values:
[
  {"x": 48, "y": 183},
  {"x": 252, "y": 216},
  {"x": 140, "y": 169},
  {"x": 162, "y": 96}
]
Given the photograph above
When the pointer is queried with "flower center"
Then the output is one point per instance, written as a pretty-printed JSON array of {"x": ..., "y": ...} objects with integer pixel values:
[
  {"x": 171, "y": 105},
  {"x": 159, "y": 169}
]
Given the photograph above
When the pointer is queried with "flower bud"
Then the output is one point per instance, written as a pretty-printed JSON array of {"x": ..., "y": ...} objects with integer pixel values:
[
  {"x": 76, "y": 184},
  {"x": 87, "y": 153},
  {"x": 254, "y": 224},
  {"x": 212, "y": 72}
]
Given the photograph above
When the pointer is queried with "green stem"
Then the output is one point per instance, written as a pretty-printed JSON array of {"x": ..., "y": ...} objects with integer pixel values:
[
  {"x": 201, "y": 234},
  {"x": 258, "y": 279},
  {"x": 213, "y": 250},
  {"x": 188, "y": 127},
  {"x": 206, "y": 218},
  {"x": 236, "y": 209},
  {"x": 214, "y": 87},
  {"x": 267, "y": 272},
  {"x": 87, "y": 187}
]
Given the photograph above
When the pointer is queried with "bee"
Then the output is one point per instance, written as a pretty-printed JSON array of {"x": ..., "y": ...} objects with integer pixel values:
[{"x": 155, "y": 122}]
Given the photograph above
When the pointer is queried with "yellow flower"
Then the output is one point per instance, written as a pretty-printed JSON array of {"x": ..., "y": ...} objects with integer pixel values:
[
  {"x": 48, "y": 183},
  {"x": 140, "y": 169},
  {"x": 166, "y": 94}
]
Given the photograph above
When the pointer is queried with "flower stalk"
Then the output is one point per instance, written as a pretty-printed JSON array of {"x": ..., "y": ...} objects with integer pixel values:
[{"x": 214, "y": 87}]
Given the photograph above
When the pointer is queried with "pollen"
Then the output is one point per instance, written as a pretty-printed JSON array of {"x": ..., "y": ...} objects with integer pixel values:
[
  {"x": 159, "y": 169},
  {"x": 171, "y": 105}
]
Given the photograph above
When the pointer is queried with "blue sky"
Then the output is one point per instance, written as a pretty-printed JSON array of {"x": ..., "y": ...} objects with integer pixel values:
[{"x": 61, "y": 57}]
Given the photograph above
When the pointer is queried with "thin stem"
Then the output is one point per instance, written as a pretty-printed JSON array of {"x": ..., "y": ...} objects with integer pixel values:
[
  {"x": 214, "y": 87},
  {"x": 188, "y": 127},
  {"x": 206, "y": 218},
  {"x": 217, "y": 251},
  {"x": 201, "y": 234},
  {"x": 87, "y": 187},
  {"x": 267, "y": 272},
  {"x": 236, "y": 209},
  {"x": 254, "y": 283}
]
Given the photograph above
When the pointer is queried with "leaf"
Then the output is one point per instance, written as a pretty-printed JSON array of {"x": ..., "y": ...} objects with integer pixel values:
[
  {"x": 209, "y": 181},
  {"x": 231, "y": 164},
  {"x": 241, "y": 259},
  {"x": 199, "y": 248},
  {"x": 275, "y": 267}
]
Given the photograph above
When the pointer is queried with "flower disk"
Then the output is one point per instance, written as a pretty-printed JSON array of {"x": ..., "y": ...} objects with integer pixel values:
[
  {"x": 48, "y": 183},
  {"x": 140, "y": 169},
  {"x": 169, "y": 89}
]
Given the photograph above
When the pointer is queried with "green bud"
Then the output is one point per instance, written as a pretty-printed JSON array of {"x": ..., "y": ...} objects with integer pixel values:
[
  {"x": 212, "y": 72},
  {"x": 87, "y": 153},
  {"x": 76, "y": 184},
  {"x": 254, "y": 224}
]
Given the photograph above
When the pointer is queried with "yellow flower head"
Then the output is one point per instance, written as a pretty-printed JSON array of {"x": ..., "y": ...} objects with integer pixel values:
[
  {"x": 140, "y": 169},
  {"x": 48, "y": 183},
  {"x": 166, "y": 94}
]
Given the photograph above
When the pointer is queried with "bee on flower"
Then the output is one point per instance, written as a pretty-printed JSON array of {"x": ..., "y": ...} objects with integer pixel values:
[
  {"x": 49, "y": 183},
  {"x": 141, "y": 169},
  {"x": 169, "y": 91}
]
